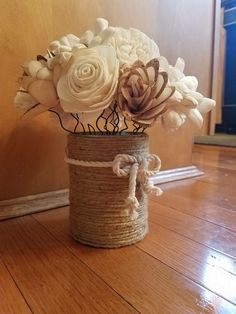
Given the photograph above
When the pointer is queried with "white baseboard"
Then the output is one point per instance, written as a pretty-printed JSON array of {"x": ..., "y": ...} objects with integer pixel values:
[
  {"x": 33, "y": 203},
  {"x": 40, "y": 202},
  {"x": 176, "y": 174}
]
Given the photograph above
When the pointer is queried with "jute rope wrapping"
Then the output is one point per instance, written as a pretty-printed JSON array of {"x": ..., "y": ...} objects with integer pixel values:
[{"x": 108, "y": 186}]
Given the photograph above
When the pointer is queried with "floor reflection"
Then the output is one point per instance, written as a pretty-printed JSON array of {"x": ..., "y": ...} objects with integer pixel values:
[{"x": 220, "y": 275}]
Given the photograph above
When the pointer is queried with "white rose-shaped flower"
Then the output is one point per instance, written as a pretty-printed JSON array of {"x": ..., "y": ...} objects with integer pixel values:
[
  {"x": 88, "y": 83},
  {"x": 131, "y": 44}
]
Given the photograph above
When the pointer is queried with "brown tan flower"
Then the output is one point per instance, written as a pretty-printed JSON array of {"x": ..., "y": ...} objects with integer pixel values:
[{"x": 143, "y": 92}]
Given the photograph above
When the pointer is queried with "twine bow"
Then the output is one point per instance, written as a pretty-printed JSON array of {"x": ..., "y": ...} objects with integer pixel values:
[{"x": 137, "y": 167}]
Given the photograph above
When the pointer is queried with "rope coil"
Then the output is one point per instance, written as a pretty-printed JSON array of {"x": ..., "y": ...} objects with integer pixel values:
[{"x": 136, "y": 167}]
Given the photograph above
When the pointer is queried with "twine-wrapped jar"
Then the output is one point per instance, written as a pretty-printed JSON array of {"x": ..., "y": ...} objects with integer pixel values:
[{"x": 98, "y": 215}]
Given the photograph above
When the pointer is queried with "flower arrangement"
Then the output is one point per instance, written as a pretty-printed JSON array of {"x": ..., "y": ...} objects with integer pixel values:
[{"x": 108, "y": 81}]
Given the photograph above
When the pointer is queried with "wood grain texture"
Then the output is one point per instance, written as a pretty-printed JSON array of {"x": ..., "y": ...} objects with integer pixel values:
[
  {"x": 32, "y": 154},
  {"x": 51, "y": 278},
  {"x": 210, "y": 212},
  {"x": 225, "y": 196},
  {"x": 208, "y": 267},
  {"x": 147, "y": 283},
  {"x": 199, "y": 230},
  {"x": 187, "y": 263},
  {"x": 11, "y": 300}
]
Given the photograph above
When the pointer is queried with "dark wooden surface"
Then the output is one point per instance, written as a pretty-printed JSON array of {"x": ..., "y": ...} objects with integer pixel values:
[{"x": 187, "y": 263}]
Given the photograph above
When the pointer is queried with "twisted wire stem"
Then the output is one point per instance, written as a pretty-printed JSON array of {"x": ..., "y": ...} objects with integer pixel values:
[{"x": 109, "y": 122}]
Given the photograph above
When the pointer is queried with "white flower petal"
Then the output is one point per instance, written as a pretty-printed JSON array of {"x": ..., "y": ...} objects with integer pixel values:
[
  {"x": 56, "y": 74},
  {"x": 196, "y": 95},
  {"x": 100, "y": 26},
  {"x": 175, "y": 75},
  {"x": 181, "y": 87},
  {"x": 54, "y": 45},
  {"x": 65, "y": 43},
  {"x": 65, "y": 57},
  {"x": 176, "y": 97},
  {"x": 32, "y": 67},
  {"x": 190, "y": 102},
  {"x": 87, "y": 37},
  {"x": 195, "y": 116},
  {"x": 191, "y": 82},
  {"x": 44, "y": 74},
  {"x": 23, "y": 100},
  {"x": 130, "y": 45},
  {"x": 73, "y": 40},
  {"x": 28, "y": 105},
  {"x": 172, "y": 119},
  {"x": 180, "y": 64},
  {"x": 44, "y": 92},
  {"x": 164, "y": 65},
  {"x": 206, "y": 105}
]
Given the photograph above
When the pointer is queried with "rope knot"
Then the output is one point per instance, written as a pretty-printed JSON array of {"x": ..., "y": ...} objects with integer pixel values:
[{"x": 138, "y": 169}]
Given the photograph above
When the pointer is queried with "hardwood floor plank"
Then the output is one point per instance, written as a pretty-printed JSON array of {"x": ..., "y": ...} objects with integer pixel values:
[
  {"x": 49, "y": 276},
  {"x": 213, "y": 149},
  {"x": 218, "y": 176},
  {"x": 218, "y": 157},
  {"x": 211, "y": 235},
  {"x": 212, "y": 163},
  {"x": 223, "y": 196},
  {"x": 148, "y": 284},
  {"x": 11, "y": 300},
  {"x": 205, "y": 266},
  {"x": 198, "y": 208}
]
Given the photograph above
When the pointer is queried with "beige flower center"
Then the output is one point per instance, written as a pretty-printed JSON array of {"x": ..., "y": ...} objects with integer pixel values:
[{"x": 83, "y": 75}]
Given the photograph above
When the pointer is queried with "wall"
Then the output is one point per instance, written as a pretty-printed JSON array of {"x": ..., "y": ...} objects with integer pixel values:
[{"x": 31, "y": 155}]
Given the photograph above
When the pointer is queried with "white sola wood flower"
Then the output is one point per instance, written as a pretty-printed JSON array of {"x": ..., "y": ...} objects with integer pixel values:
[
  {"x": 81, "y": 77},
  {"x": 37, "y": 93},
  {"x": 64, "y": 44},
  {"x": 131, "y": 45},
  {"x": 88, "y": 82},
  {"x": 186, "y": 102}
]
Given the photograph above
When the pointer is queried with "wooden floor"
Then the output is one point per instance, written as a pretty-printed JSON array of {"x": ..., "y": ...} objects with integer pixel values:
[{"x": 187, "y": 263}]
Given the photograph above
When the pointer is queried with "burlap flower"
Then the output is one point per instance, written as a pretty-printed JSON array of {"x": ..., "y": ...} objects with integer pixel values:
[{"x": 143, "y": 92}]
